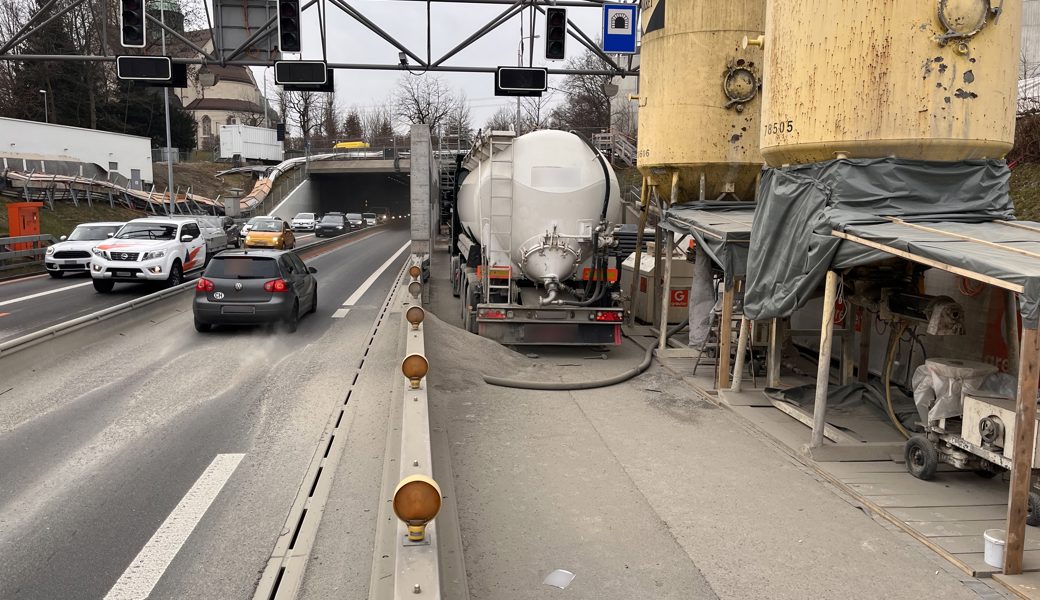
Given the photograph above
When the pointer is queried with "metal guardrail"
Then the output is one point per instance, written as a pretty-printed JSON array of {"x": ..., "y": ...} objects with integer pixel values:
[{"x": 36, "y": 252}]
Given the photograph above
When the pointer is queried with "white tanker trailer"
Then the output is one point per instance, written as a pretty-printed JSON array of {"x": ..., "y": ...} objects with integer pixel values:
[{"x": 532, "y": 233}]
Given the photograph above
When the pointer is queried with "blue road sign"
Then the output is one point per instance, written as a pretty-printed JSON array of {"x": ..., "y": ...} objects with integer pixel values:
[{"x": 619, "y": 28}]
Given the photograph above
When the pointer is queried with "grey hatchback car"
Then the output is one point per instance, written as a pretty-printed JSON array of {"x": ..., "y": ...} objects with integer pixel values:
[{"x": 244, "y": 287}]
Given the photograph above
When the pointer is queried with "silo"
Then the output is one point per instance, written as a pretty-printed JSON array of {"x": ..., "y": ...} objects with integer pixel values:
[
  {"x": 876, "y": 78},
  {"x": 700, "y": 95}
]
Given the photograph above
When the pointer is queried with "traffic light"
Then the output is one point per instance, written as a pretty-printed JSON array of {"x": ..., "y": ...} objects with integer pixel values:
[
  {"x": 555, "y": 33},
  {"x": 289, "y": 25},
  {"x": 131, "y": 23}
]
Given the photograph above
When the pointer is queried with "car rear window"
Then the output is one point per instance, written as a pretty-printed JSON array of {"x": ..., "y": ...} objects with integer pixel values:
[
  {"x": 334, "y": 219},
  {"x": 354, "y": 216},
  {"x": 242, "y": 267}
]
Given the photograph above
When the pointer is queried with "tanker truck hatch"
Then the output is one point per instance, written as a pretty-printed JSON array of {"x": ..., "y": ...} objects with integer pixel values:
[{"x": 523, "y": 324}]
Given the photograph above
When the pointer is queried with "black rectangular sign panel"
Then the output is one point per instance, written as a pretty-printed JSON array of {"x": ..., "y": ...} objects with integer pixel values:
[
  {"x": 521, "y": 81},
  {"x": 144, "y": 68},
  {"x": 328, "y": 86},
  {"x": 300, "y": 72}
]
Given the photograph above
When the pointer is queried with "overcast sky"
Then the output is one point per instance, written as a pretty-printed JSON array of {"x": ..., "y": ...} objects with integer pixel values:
[{"x": 451, "y": 22}]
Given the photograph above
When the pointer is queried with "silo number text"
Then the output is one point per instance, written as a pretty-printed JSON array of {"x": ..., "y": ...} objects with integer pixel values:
[{"x": 779, "y": 127}]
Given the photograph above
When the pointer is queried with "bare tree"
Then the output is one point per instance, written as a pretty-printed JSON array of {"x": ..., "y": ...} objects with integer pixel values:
[
  {"x": 424, "y": 99},
  {"x": 301, "y": 110},
  {"x": 504, "y": 119},
  {"x": 586, "y": 106},
  {"x": 535, "y": 112},
  {"x": 329, "y": 117},
  {"x": 458, "y": 124}
]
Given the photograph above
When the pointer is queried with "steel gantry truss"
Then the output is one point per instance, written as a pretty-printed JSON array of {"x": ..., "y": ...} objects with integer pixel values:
[{"x": 39, "y": 20}]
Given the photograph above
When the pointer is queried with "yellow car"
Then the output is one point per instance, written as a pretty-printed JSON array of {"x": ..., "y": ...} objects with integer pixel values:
[{"x": 270, "y": 233}]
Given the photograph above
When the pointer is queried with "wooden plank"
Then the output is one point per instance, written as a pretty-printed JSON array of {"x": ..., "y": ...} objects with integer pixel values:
[
  {"x": 967, "y": 238},
  {"x": 823, "y": 373},
  {"x": 1026, "y": 585},
  {"x": 869, "y": 451},
  {"x": 744, "y": 398},
  {"x": 847, "y": 345},
  {"x": 845, "y": 469},
  {"x": 956, "y": 528},
  {"x": 896, "y": 477},
  {"x": 1007, "y": 285},
  {"x": 725, "y": 337},
  {"x": 831, "y": 433},
  {"x": 1022, "y": 461},
  {"x": 1030, "y": 563},
  {"x": 982, "y": 512},
  {"x": 924, "y": 500}
]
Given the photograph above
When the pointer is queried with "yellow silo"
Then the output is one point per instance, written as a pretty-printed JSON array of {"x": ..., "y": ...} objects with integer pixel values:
[
  {"x": 926, "y": 80},
  {"x": 699, "y": 95}
]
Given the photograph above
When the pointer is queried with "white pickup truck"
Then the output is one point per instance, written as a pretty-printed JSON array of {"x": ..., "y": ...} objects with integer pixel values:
[{"x": 150, "y": 249}]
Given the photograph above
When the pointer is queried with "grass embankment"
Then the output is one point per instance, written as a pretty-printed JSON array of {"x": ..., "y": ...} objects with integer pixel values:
[
  {"x": 1025, "y": 191},
  {"x": 202, "y": 178}
]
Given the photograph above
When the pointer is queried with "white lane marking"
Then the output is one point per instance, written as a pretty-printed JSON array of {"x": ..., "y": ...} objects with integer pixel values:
[
  {"x": 340, "y": 313},
  {"x": 152, "y": 561},
  {"x": 21, "y": 279},
  {"x": 352, "y": 300},
  {"x": 47, "y": 293}
]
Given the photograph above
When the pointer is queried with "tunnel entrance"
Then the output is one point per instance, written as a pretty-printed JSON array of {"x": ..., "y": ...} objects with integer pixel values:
[{"x": 360, "y": 192}]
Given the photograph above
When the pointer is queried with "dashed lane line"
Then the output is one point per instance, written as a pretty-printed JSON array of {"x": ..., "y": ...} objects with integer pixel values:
[
  {"x": 151, "y": 562},
  {"x": 47, "y": 293}
]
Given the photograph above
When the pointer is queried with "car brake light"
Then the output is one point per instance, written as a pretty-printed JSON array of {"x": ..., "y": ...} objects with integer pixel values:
[
  {"x": 608, "y": 316},
  {"x": 490, "y": 313},
  {"x": 276, "y": 285},
  {"x": 204, "y": 285}
]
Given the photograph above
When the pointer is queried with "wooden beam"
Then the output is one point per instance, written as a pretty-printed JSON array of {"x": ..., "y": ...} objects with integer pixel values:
[
  {"x": 774, "y": 353},
  {"x": 831, "y": 433},
  {"x": 1007, "y": 285},
  {"x": 967, "y": 238},
  {"x": 1022, "y": 461},
  {"x": 725, "y": 337},
  {"x": 742, "y": 344},
  {"x": 823, "y": 372}
]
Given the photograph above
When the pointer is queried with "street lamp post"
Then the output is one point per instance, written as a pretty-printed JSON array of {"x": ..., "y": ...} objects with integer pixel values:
[{"x": 46, "y": 117}]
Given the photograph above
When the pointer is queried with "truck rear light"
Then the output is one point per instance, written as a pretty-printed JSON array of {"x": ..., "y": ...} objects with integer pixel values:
[
  {"x": 607, "y": 316},
  {"x": 276, "y": 285},
  {"x": 204, "y": 285},
  {"x": 492, "y": 313}
]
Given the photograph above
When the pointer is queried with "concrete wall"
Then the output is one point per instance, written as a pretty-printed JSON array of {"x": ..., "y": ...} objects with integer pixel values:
[
  {"x": 425, "y": 190},
  {"x": 303, "y": 199},
  {"x": 31, "y": 139}
]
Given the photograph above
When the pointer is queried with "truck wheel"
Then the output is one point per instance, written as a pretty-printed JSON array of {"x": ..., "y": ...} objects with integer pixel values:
[
  {"x": 1033, "y": 510},
  {"x": 176, "y": 275},
  {"x": 922, "y": 459},
  {"x": 103, "y": 287},
  {"x": 56, "y": 274}
]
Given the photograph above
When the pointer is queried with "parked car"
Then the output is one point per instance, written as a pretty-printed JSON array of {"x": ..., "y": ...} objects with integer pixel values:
[
  {"x": 270, "y": 232},
  {"x": 304, "y": 222},
  {"x": 331, "y": 225},
  {"x": 216, "y": 232},
  {"x": 149, "y": 249},
  {"x": 355, "y": 220},
  {"x": 242, "y": 287},
  {"x": 370, "y": 219},
  {"x": 72, "y": 254}
]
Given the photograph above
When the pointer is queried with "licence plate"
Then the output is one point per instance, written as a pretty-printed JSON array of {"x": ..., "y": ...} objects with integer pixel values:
[{"x": 237, "y": 310}]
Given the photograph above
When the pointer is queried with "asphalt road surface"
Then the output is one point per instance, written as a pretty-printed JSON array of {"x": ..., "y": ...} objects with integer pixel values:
[
  {"x": 33, "y": 303},
  {"x": 139, "y": 456}
]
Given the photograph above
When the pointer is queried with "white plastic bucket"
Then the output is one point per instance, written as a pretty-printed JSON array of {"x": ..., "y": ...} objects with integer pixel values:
[{"x": 995, "y": 541}]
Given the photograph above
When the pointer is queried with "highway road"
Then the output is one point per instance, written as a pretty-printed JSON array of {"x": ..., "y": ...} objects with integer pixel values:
[
  {"x": 139, "y": 456},
  {"x": 32, "y": 303}
]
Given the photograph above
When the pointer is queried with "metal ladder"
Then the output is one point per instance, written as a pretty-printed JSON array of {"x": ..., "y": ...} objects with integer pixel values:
[{"x": 500, "y": 240}]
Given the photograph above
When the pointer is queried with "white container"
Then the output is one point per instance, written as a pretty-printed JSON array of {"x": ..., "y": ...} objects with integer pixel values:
[
  {"x": 557, "y": 187},
  {"x": 643, "y": 305},
  {"x": 251, "y": 143},
  {"x": 996, "y": 539}
]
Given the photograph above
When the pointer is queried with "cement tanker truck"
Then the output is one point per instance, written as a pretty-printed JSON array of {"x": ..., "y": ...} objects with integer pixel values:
[{"x": 532, "y": 244}]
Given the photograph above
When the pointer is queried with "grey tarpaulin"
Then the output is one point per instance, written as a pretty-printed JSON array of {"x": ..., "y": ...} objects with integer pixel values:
[
  {"x": 722, "y": 230},
  {"x": 792, "y": 245},
  {"x": 846, "y": 398}
]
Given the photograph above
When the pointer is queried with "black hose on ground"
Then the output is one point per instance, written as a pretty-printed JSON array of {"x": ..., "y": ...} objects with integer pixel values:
[{"x": 648, "y": 357}]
